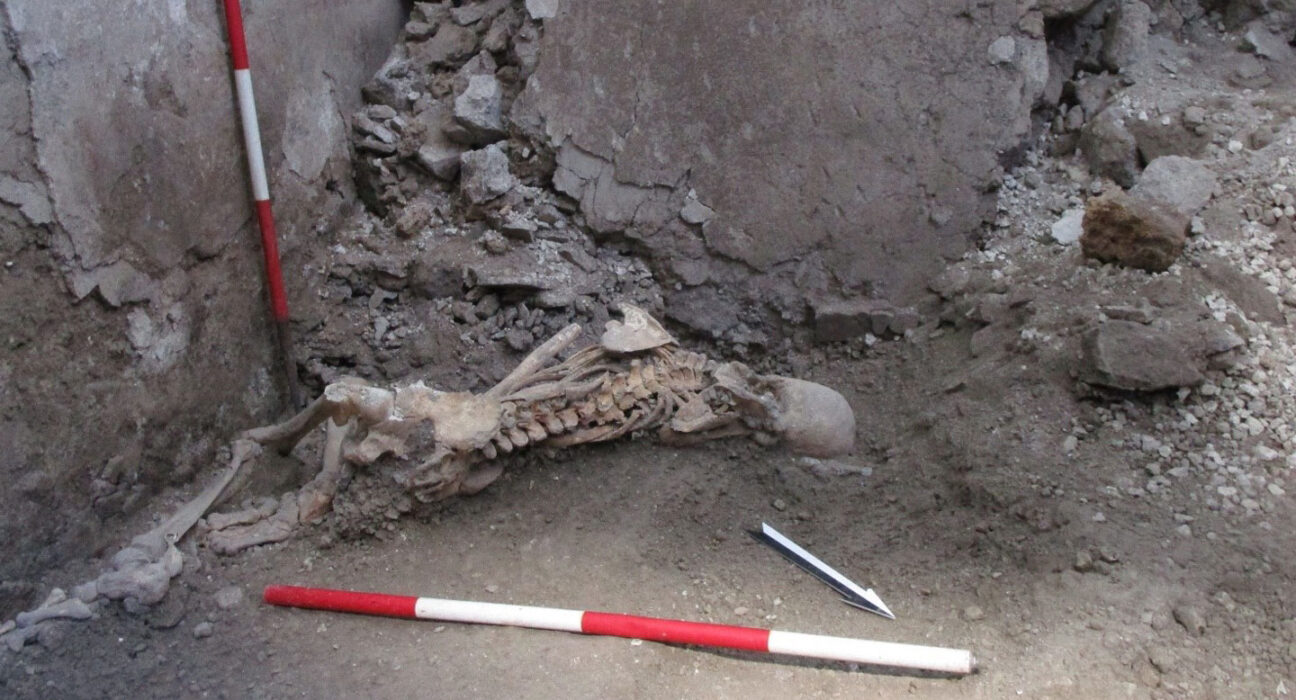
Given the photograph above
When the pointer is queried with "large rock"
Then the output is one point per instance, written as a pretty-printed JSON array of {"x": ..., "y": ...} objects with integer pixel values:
[
  {"x": 1109, "y": 148},
  {"x": 1132, "y": 232},
  {"x": 834, "y": 128},
  {"x": 484, "y": 174},
  {"x": 1125, "y": 36},
  {"x": 477, "y": 110},
  {"x": 1136, "y": 357},
  {"x": 1182, "y": 185}
]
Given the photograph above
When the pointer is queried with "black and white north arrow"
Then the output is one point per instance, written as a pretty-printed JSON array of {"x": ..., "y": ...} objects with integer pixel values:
[{"x": 851, "y": 592}]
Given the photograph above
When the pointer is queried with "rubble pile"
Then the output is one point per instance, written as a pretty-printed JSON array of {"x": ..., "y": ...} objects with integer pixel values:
[
  {"x": 462, "y": 232},
  {"x": 1142, "y": 254}
]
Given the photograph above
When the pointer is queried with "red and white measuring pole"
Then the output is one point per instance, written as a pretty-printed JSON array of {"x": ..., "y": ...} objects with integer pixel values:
[
  {"x": 261, "y": 191},
  {"x": 955, "y": 661}
]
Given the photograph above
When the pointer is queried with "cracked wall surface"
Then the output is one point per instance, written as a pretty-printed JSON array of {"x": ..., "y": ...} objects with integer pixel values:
[
  {"x": 822, "y": 149},
  {"x": 131, "y": 303}
]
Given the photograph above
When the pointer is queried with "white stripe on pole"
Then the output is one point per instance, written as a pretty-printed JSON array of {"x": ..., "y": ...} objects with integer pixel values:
[
  {"x": 498, "y": 614},
  {"x": 251, "y": 134},
  {"x": 869, "y": 652}
]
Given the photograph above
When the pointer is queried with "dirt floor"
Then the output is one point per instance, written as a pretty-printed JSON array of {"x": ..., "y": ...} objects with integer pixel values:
[
  {"x": 974, "y": 526},
  {"x": 1089, "y": 525}
]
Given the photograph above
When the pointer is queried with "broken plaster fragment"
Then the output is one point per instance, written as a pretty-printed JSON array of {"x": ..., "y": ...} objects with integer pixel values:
[{"x": 695, "y": 212}]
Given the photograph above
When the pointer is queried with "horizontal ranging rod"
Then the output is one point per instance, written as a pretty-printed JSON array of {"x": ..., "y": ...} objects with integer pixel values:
[{"x": 954, "y": 661}]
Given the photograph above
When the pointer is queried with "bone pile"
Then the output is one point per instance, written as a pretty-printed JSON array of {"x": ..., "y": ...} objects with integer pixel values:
[{"x": 437, "y": 444}]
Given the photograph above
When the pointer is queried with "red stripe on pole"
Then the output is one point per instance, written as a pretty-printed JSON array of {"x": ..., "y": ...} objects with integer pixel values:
[
  {"x": 656, "y": 629},
  {"x": 234, "y": 25},
  {"x": 274, "y": 275},
  {"x": 342, "y": 601}
]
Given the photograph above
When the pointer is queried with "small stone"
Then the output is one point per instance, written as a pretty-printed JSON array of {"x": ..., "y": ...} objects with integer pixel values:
[
  {"x": 1184, "y": 530},
  {"x": 1002, "y": 50},
  {"x": 202, "y": 630},
  {"x": 1275, "y": 489},
  {"x": 492, "y": 588},
  {"x": 695, "y": 212},
  {"x": 519, "y": 340},
  {"x": 485, "y": 174},
  {"x": 1109, "y": 148},
  {"x": 30, "y": 199},
  {"x": 451, "y": 45},
  {"x": 494, "y": 243},
  {"x": 740, "y": 611},
  {"x": 1083, "y": 562},
  {"x": 229, "y": 597},
  {"x": 542, "y": 9},
  {"x": 1265, "y": 453},
  {"x": 779, "y": 504},
  {"x": 1099, "y": 517},
  {"x": 1067, "y": 230},
  {"x": 1191, "y": 618},
  {"x": 1264, "y": 43},
  {"x": 1194, "y": 116},
  {"x": 1069, "y": 444},
  {"x": 972, "y": 613},
  {"x": 843, "y": 320},
  {"x": 478, "y": 110},
  {"x": 439, "y": 156}
]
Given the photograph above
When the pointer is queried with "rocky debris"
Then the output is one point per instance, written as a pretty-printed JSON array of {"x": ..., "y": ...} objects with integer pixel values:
[
  {"x": 1264, "y": 43},
  {"x": 1137, "y": 357},
  {"x": 1190, "y": 617},
  {"x": 1054, "y": 9},
  {"x": 542, "y": 9},
  {"x": 1002, "y": 50},
  {"x": 1182, "y": 185},
  {"x": 842, "y": 320},
  {"x": 485, "y": 174},
  {"x": 440, "y": 156},
  {"x": 1125, "y": 36},
  {"x": 477, "y": 110},
  {"x": 449, "y": 47},
  {"x": 1109, "y": 148},
  {"x": 1068, "y": 229},
  {"x": 30, "y": 199},
  {"x": 695, "y": 212},
  {"x": 1129, "y": 231}
]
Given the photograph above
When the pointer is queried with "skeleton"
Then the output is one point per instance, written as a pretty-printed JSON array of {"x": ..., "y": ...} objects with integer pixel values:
[{"x": 438, "y": 444}]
